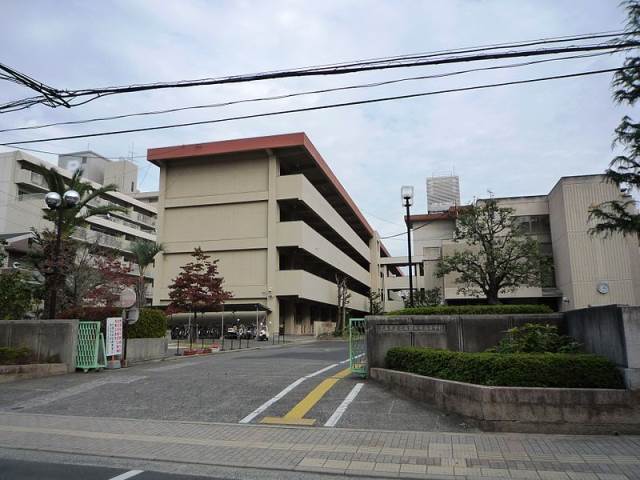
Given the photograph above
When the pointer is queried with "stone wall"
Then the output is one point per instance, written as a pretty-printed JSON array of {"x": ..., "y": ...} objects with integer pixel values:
[
  {"x": 143, "y": 349},
  {"x": 48, "y": 339},
  {"x": 520, "y": 409},
  {"x": 612, "y": 331},
  {"x": 466, "y": 333}
]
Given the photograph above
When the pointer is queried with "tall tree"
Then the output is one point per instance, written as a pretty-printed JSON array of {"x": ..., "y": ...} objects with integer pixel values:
[
  {"x": 198, "y": 287},
  {"x": 344, "y": 298},
  {"x": 144, "y": 252},
  {"x": 16, "y": 292},
  {"x": 54, "y": 263},
  {"x": 624, "y": 170},
  {"x": 496, "y": 256}
]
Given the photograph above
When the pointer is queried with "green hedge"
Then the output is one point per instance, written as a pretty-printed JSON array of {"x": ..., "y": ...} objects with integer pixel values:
[
  {"x": 15, "y": 355},
  {"x": 151, "y": 324},
  {"x": 473, "y": 310},
  {"x": 554, "y": 370}
]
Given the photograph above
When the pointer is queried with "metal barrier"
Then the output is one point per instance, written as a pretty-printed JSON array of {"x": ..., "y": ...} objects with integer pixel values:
[
  {"x": 91, "y": 352},
  {"x": 358, "y": 346}
]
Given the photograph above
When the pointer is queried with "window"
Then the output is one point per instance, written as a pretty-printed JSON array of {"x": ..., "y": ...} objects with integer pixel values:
[
  {"x": 132, "y": 186},
  {"x": 84, "y": 160}
]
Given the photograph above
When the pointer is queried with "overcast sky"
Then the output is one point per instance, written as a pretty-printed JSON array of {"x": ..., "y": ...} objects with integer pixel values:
[{"x": 514, "y": 140}]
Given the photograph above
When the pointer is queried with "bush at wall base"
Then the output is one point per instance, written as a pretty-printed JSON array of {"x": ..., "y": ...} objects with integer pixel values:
[
  {"x": 152, "y": 323},
  {"x": 552, "y": 370},
  {"x": 474, "y": 310}
]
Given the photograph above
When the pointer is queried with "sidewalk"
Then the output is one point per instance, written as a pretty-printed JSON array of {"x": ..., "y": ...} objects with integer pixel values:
[{"x": 342, "y": 451}]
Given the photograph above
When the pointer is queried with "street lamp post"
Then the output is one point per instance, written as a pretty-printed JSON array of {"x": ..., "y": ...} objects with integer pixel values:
[
  {"x": 54, "y": 201},
  {"x": 407, "y": 200}
]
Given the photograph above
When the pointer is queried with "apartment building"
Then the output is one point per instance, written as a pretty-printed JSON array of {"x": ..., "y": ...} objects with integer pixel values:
[
  {"x": 278, "y": 220},
  {"x": 587, "y": 270},
  {"x": 22, "y": 193}
]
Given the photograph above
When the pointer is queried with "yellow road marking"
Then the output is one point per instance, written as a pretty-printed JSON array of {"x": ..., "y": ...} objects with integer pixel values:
[{"x": 297, "y": 413}]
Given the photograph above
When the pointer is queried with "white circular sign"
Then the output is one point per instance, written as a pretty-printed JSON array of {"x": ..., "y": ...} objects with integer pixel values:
[{"x": 127, "y": 298}]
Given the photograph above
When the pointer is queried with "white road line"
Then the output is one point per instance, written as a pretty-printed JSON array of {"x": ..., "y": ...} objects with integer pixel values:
[
  {"x": 273, "y": 400},
  {"x": 348, "y": 359},
  {"x": 335, "y": 417},
  {"x": 129, "y": 474}
]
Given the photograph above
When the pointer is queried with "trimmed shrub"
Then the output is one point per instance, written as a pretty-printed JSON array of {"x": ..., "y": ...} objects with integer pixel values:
[
  {"x": 16, "y": 356},
  {"x": 552, "y": 370},
  {"x": 536, "y": 338},
  {"x": 473, "y": 310},
  {"x": 151, "y": 324},
  {"x": 92, "y": 314}
]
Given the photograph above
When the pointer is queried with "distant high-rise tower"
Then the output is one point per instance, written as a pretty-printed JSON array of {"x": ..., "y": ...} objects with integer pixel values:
[{"x": 442, "y": 193}]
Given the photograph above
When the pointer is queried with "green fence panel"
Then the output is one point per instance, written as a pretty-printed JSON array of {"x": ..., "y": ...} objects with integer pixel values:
[
  {"x": 90, "y": 354},
  {"x": 358, "y": 346}
]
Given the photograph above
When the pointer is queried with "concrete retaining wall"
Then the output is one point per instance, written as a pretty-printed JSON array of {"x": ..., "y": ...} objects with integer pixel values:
[
  {"x": 48, "y": 339},
  {"x": 466, "y": 333},
  {"x": 10, "y": 373},
  {"x": 321, "y": 328},
  {"x": 612, "y": 331},
  {"x": 142, "y": 349},
  {"x": 519, "y": 409}
]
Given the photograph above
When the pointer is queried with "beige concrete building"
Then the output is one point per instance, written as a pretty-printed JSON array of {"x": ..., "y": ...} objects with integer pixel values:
[
  {"x": 280, "y": 223},
  {"x": 587, "y": 270},
  {"x": 22, "y": 192}
]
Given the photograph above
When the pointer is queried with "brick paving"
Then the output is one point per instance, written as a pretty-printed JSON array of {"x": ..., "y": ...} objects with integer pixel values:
[{"x": 351, "y": 452}]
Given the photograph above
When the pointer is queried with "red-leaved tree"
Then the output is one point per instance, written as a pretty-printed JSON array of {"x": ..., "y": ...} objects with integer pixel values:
[
  {"x": 115, "y": 276},
  {"x": 197, "y": 288}
]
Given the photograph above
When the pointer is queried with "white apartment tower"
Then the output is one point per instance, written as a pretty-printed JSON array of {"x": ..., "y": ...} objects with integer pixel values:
[{"x": 442, "y": 193}]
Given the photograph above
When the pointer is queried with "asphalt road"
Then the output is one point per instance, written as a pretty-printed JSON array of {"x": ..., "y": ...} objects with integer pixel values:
[{"x": 227, "y": 388}]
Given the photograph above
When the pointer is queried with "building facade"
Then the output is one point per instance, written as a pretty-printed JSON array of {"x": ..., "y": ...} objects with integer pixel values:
[
  {"x": 276, "y": 218},
  {"x": 22, "y": 192},
  {"x": 587, "y": 270},
  {"x": 443, "y": 193}
]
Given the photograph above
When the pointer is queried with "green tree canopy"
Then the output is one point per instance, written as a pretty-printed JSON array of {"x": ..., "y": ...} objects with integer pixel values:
[
  {"x": 496, "y": 256},
  {"x": 624, "y": 170}
]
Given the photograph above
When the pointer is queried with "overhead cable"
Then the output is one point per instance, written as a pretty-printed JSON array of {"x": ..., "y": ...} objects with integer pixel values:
[
  {"x": 303, "y": 93},
  {"x": 318, "y": 107}
]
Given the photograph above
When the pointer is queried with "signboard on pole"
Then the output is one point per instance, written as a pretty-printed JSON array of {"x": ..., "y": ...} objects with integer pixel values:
[{"x": 114, "y": 336}]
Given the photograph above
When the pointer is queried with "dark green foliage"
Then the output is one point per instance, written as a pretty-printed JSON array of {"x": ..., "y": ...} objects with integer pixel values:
[
  {"x": 552, "y": 370},
  {"x": 16, "y": 296},
  {"x": 624, "y": 170},
  {"x": 16, "y": 356},
  {"x": 536, "y": 338},
  {"x": 473, "y": 310},
  {"x": 151, "y": 324},
  {"x": 425, "y": 298}
]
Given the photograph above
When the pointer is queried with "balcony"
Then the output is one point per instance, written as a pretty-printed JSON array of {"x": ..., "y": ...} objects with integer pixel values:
[
  {"x": 297, "y": 187},
  {"x": 299, "y": 234},
  {"x": 31, "y": 179},
  {"x": 301, "y": 284},
  {"x": 103, "y": 239}
]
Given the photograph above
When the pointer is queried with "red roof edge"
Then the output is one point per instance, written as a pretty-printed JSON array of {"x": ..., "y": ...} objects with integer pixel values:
[{"x": 158, "y": 155}]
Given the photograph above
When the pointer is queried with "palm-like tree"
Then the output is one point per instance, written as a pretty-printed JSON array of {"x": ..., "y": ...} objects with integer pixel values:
[
  {"x": 144, "y": 251},
  {"x": 57, "y": 250},
  {"x": 76, "y": 216}
]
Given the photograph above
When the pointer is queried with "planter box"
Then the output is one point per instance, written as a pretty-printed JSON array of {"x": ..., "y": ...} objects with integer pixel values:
[
  {"x": 10, "y": 373},
  {"x": 144, "y": 349},
  {"x": 523, "y": 409}
]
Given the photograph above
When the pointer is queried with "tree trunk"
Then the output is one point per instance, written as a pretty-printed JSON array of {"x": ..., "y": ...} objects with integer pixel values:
[{"x": 492, "y": 297}]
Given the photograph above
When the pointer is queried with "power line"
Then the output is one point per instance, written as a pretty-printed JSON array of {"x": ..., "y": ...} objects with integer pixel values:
[
  {"x": 319, "y": 107},
  {"x": 308, "y": 92},
  {"x": 354, "y": 67}
]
